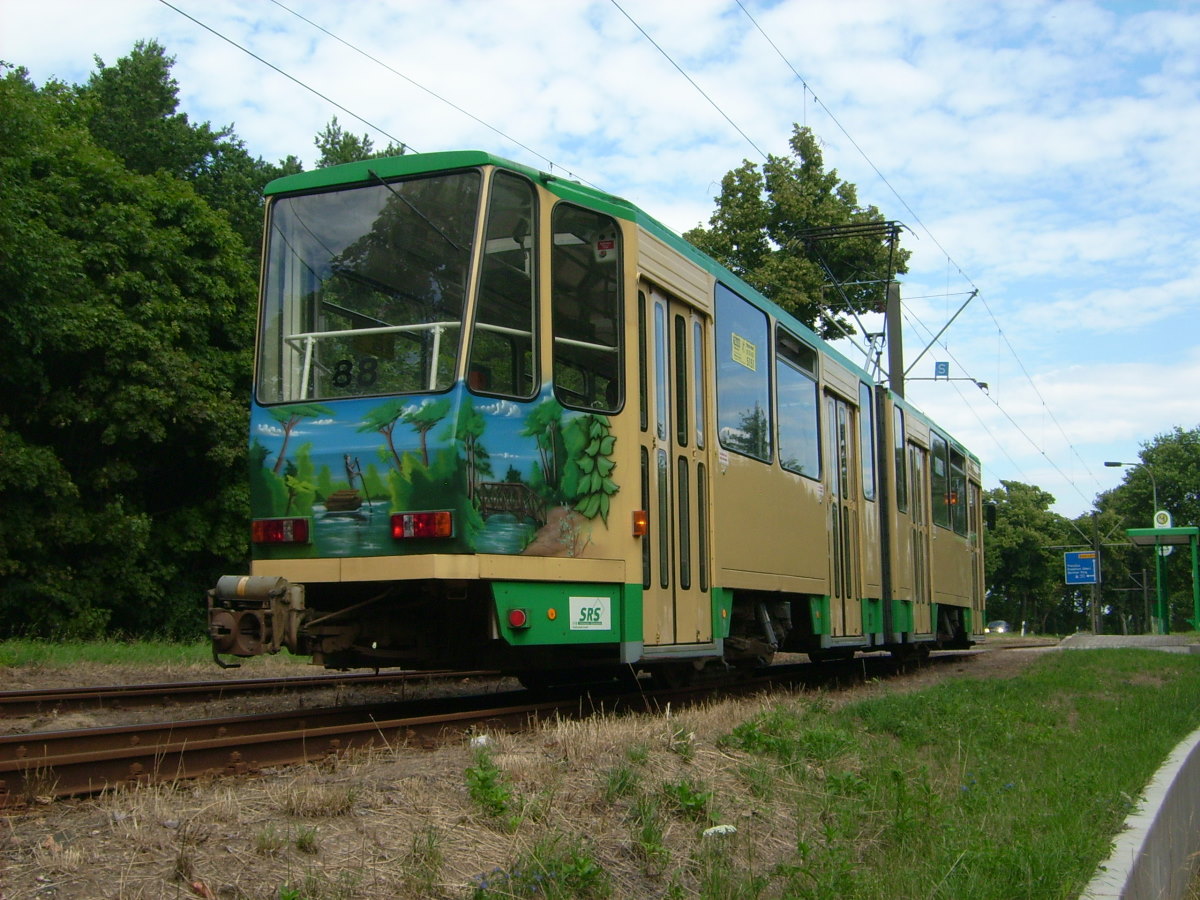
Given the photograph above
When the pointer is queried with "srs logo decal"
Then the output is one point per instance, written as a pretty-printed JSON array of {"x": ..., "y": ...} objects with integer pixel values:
[{"x": 591, "y": 613}]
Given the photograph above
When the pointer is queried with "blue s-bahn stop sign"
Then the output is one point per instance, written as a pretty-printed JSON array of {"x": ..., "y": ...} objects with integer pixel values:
[{"x": 1082, "y": 566}]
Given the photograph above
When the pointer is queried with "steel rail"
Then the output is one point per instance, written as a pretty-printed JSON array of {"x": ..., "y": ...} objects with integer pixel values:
[
  {"x": 129, "y": 696},
  {"x": 66, "y": 763}
]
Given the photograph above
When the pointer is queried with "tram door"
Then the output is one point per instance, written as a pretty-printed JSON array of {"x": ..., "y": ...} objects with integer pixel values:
[
  {"x": 842, "y": 433},
  {"x": 918, "y": 459},
  {"x": 675, "y": 558}
]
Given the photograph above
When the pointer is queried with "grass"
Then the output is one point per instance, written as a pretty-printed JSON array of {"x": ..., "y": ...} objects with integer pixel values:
[
  {"x": 972, "y": 788},
  {"x": 42, "y": 654}
]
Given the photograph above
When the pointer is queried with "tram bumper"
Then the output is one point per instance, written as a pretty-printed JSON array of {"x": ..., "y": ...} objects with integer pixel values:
[{"x": 251, "y": 615}]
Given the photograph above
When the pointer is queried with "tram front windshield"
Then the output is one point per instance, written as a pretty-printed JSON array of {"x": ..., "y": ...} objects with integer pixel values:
[{"x": 365, "y": 289}]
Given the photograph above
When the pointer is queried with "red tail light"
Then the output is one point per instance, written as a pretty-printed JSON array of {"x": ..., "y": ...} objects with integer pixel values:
[
  {"x": 436, "y": 524},
  {"x": 518, "y": 618},
  {"x": 279, "y": 531}
]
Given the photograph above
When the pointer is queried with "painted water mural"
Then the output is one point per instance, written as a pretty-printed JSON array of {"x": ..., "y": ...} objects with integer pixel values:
[{"x": 520, "y": 478}]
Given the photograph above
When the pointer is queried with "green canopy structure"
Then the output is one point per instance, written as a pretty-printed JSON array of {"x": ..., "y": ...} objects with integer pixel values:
[{"x": 1167, "y": 537}]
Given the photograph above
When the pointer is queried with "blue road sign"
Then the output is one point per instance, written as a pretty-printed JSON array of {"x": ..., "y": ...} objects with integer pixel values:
[{"x": 1082, "y": 566}]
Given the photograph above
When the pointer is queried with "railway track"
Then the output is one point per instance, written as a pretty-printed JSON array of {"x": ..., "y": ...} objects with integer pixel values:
[
  {"x": 41, "y": 765},
  {"x": 129, "y": 696}
]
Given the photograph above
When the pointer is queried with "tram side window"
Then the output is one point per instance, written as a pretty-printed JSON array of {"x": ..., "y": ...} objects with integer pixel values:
[
  {"x": 958, "y": 492},
  {"x": 743, "y": 381},
  {"x": 866, "y": 439},
  {"x": 798, "y": 405},
  {"x": 502, "y": 358},
  {"x": 898, "y": 459},
  {"x": 941, "y": 480},
  {"x": 585, "y": 269},
  {"x": 643, "y": 380},
  {"x": 973, "y": 511}
]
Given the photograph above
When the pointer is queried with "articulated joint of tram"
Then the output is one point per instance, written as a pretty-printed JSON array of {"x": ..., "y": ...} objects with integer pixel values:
[{"x": 251, "y": 615}]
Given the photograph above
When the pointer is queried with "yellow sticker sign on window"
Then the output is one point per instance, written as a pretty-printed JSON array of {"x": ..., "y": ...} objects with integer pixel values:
[{"x": 745, "y": 352}]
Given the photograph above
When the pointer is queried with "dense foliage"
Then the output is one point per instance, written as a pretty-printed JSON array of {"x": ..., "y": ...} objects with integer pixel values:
[
  {"x": 126, "y": 312},
  {"x": 771, "y": 228}
]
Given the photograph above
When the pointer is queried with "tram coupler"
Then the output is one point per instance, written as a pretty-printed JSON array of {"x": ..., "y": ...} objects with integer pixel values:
[{"x": 250, "y": 615}]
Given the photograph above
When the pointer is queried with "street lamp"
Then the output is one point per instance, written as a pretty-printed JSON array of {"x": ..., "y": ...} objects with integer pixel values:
[{"x": 1153, "y": 484}]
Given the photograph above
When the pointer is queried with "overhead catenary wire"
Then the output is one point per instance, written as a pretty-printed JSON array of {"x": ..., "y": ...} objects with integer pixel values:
[
  {"x": 690, "y": 80},
  {"x": 290, "y": 77},
  {"x": 1020, "y": 430}
]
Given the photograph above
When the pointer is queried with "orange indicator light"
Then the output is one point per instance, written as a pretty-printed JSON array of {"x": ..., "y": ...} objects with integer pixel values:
[{"x": 641, "y": 523}]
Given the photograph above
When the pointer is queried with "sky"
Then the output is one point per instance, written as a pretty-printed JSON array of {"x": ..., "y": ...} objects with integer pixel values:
[{"x": 1043, "y": 157}]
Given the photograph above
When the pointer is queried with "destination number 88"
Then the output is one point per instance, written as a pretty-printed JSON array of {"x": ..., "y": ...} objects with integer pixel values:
[{"x": 346, "y": 374}]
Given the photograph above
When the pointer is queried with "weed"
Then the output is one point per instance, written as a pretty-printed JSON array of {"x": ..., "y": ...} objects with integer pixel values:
[
  {"x": 487, "y": 786},
  {"x": 424, "y": 861},
  {"x": 648, "y": 843},
  {"x": 306, "y": 840},
  {"x": 689, "y": 799},
  {"x": 555, "y": 869},
  {"x": 316, "y": 886},
  {"x": 638, "y": 754},
  {"x": 620, "y": 782},
  {"x": 847, "y": 784},
  {"x": 721, "y": 877},
  {"x": 681, "y": 741},
  {"x": 760, "y": 777},
  {"x": 269, "y": 840}
]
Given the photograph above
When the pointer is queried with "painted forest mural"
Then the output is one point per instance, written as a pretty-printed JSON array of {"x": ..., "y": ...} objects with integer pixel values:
[{"x": 530, "y": 478}]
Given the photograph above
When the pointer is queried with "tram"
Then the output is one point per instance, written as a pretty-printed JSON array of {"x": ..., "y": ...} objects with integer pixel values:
[{"x": 504, "y": 420}]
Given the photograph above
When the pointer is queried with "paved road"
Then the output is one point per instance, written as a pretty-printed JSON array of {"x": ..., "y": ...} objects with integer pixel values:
[{"x": 1171, "y": 643}]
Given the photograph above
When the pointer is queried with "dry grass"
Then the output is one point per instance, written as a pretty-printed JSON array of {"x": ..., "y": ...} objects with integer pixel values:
[{"x": 401, "y": 824}]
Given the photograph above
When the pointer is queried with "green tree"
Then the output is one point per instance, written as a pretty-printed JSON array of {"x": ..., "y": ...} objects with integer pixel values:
[
  {"x": 468, "y": 431},
  {"x": 132, "y": 109},
  {"x": 762, "y": 231},
  {"x": 1169, "y": 468},
  {"x": 288, "y": 418},
  {"x": 125, "y": 326},
  {"x": 383, "y": 418},
  {"x": 339, "y": 146},
  {"x": 423, "y": 419},
  {"x": 543, "y": 423},
  {"x": 1022, "y": 570}
]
